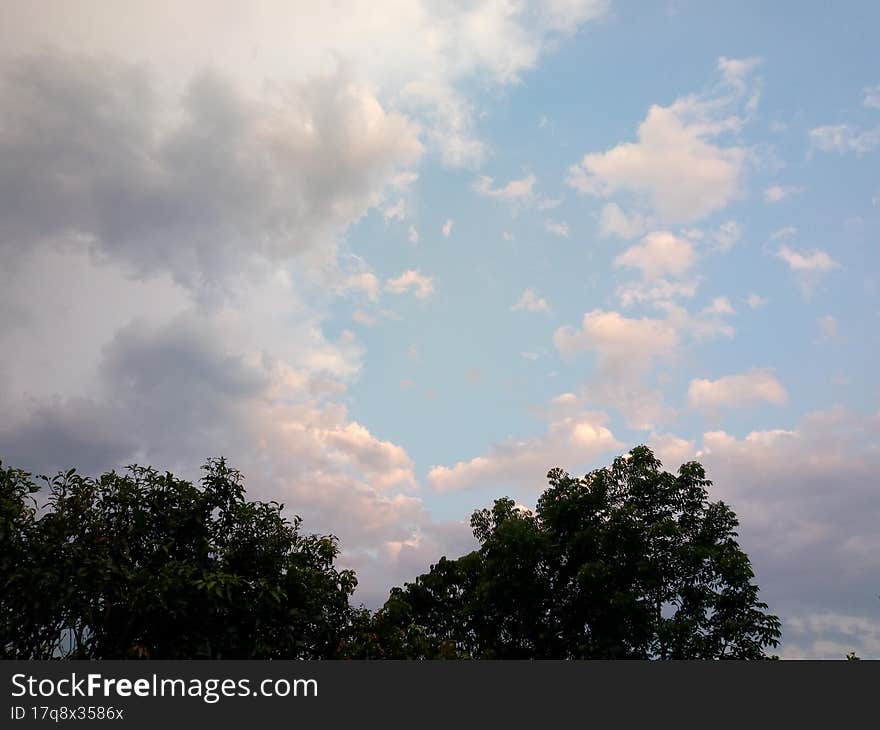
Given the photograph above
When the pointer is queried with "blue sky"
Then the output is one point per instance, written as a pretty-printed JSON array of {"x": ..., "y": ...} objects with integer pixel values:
[{"x": 395, "y": 261}]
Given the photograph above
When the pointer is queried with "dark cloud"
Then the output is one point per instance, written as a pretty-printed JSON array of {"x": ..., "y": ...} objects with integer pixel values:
[{"x": 198, "y": 187}]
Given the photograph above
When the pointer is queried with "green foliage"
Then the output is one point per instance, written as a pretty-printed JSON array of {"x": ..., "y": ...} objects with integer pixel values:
[
  {"x": 143, "y": 564},
  {"x": 627, "y": 562}
]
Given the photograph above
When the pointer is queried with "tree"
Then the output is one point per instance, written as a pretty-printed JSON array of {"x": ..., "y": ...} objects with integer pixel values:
[
  {"x": 629, "y": 561},
  {"x": 142, "y": 564}
]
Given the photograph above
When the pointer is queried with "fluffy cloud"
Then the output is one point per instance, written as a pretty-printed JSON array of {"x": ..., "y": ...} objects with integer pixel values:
[
  {"x": 364, "y": 282},
  {"x": 570, "y": 441},
  {"x": 531, "y": 302},
  {"x": 809, "y": 267},
  {"x": 625, "y": 349},
  {"x": 814, "y": 261},
  {"x": 447, "y": 228},
  {"x": 515, "y": 191},
  {"x": 736, "y": 390},
  {"x": 613, "y": 221},
  {"x": 677, "y": 169},
  {"x": 659, "y": 254},
  {"x": 422, "y": 286},
  {"x": 622, "y": 344},
  {"x": 719, "y": 305}
]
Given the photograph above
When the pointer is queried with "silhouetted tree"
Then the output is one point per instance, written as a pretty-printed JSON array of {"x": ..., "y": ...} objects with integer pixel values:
[
  {"x": 143, "y": 564},
  {"x": 629, "y": 561}
]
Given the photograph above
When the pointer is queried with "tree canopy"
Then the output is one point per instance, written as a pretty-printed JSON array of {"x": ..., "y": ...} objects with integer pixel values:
[
  {"x": 629, "y": 561},
  {"x": 145, "y": 565}
]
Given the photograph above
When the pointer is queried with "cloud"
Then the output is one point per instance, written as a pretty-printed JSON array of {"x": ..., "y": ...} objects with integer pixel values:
[
  {"x": 422, "y": 286},
  {"x": 364, "y": 282},
  {"x": 531, "y": 302},
  {"x": 418, "y": 53},
  {"x": 557, "y": 228},
  {"x": 812, "y": 261},
  {"x": 447, "y": 228},
  {"x": 571, "y": 441},
  {"x": 654, "y": 290},
  {"x": 412, "y": 235},
  {"x": 809, "y": 266},
  {"x": 806, "y": 497},
  {"x": 726, "y": 236},
  {"x": 672, "y": 450},
  {"x": 733, "y": 391},
  {"x": 615, "y": 222},
  {"x": 677, "y": 169},
  {"x": 659, "y": 254},
  {"x": 755, "y": 301},
  {"x": 515, "y": 191},
  {"x": 844, "y": 138},
  {"x": 211, "y": 186},
  {"x": 719, "y": 305},
  {"x": 872, "y": 97},
  {"x": 621, "y": 344},
  {"x": 777, "y": 193},
  {"x": 395, "y": 212}
]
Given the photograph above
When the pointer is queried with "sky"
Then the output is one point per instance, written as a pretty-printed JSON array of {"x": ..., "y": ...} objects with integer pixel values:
[{"x": 395, "y": 260}]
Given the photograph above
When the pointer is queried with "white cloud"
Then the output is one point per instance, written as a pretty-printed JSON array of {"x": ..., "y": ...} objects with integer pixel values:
[
  {"x": 447, "y": 228},
  {"x": 777, "y": 193},
  {"x": 659, "y": 254},
  {"x": 622, "y": 344},
  {"x": 531, "y": 302},
  {"x": 844, "y": 138},
  {"x": 557, "y": 228},
  {"x": 411, "y": 280},
  {"x": 809, "y": 266},
  {"x": 515, "y": 191},
  {"x": 672, "y": 450},
  {"x": 364, "y": 282},
  {"x": 677, "y": 168},
  {"x": 615, "y": 222},
  {"x": 627, "y": 349},
  {"x": 396, "y": 211},
  {"x": 733, "y": 391},
  {"x": 412, "y": 235},
  {"x": 719, "y": 305},
  {"x": 872, "y": 97},
  {"x": 812, "y": 261},
  {"x": 570, "y": 441}
]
